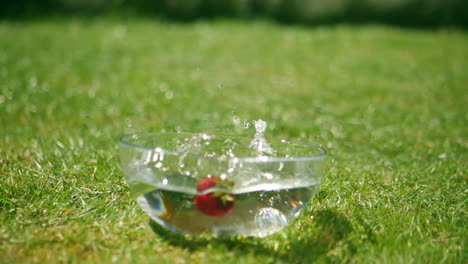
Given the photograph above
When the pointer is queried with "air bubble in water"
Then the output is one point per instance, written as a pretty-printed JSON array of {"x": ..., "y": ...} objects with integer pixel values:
[
  {"x": 270, "y": 218},
  {"x": 268, "y": 175}
]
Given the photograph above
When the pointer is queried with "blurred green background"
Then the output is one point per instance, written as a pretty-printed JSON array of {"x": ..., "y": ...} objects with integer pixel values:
[
  {"x": 388, "y": 102},
  {"x": 418, "y": 13}
]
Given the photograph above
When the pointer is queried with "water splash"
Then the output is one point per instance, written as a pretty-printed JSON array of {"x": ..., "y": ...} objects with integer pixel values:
[
  {"x": 259, "y": 142},
  {"x": 129, "y": 123},
  {"x": 236, "y": 121},
  {"x": 193, "y": 144}
]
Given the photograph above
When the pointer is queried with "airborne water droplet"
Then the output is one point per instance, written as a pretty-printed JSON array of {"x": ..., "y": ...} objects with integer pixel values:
[
  {"x": 236, "y": 120},
  {"x": 259, "y": 142},
  {"x": 169, "y": 94},
  {"x": 128, "y": 123},
  {"x": 260, "y": 126}
]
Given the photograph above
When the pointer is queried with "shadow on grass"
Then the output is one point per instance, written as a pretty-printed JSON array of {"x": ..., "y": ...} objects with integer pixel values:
[{"x": 305, "y": 240}]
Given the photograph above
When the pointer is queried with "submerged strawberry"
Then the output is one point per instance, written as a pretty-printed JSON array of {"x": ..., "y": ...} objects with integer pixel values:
[{"x": 217, "y": 203}]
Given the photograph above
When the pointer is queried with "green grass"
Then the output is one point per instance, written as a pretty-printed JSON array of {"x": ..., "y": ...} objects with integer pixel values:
[{"x": 390, "y": 105}]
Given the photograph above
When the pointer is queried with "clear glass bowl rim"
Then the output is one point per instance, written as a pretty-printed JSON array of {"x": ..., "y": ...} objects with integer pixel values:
[{"x": 322, "y": 151}]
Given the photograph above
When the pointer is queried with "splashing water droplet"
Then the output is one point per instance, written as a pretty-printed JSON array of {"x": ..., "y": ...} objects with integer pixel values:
[
  {"x": 206, "y": 136},
  {"x": 129, "y": 124},
  {"x": 236, "y": 120},
  {"x": 281, "y": 166},
  {"x": 259, "y": 142},
  {"x": 260, "y": 126},
  {"x": 169, "y": 94}
]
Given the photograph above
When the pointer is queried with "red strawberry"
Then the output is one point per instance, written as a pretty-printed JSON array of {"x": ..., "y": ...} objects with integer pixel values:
[{"x": 217, "y": 203}]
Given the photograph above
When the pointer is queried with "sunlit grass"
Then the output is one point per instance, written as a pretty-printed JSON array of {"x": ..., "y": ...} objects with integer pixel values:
[{"x": 389, "y": 104}]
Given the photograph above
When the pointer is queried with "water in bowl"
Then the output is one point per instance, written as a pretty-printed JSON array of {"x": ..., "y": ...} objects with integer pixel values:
[
  {"x": 258, "y": 211},
  {"x": 269, "y": 188}
]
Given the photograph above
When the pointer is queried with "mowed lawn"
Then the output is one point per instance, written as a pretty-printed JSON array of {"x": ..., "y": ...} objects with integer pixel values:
[{"x": 389, "y": 104}]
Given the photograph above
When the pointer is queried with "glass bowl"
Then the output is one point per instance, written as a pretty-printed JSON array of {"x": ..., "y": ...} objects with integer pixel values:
[{"x": 194, "y": 183}]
